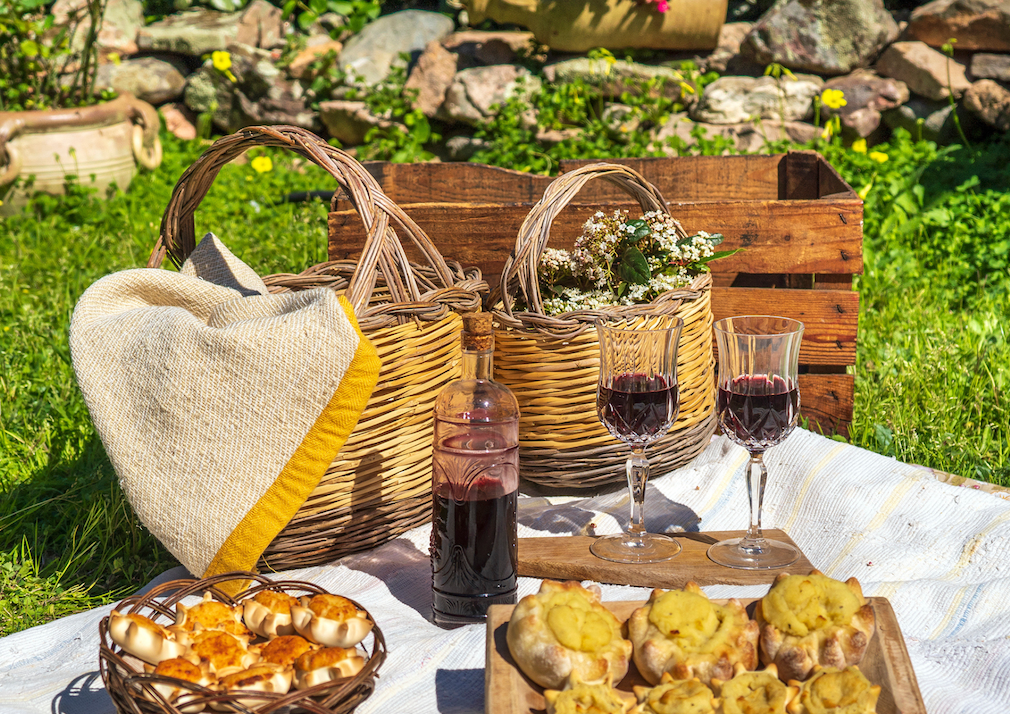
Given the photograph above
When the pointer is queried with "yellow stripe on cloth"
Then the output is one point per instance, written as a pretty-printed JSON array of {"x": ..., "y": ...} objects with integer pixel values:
[{"x": 306, "y": 466}]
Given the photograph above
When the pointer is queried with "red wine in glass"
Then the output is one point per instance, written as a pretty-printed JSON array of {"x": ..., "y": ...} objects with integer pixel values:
[
  {"x": 758, "y": 411},
  {"x": 637, "y": 407}
]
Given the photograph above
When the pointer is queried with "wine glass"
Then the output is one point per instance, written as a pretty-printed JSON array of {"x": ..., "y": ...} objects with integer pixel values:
[
  {"x": 637, "y": 400},
  {"x": 758, "y": 406}
]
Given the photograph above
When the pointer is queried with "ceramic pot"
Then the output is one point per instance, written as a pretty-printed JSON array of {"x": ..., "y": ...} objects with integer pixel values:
[{"x": 100, "y": 144}]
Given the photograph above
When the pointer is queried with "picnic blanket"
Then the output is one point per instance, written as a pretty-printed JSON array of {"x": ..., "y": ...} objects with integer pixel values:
[{"x": 939, "y": 553}]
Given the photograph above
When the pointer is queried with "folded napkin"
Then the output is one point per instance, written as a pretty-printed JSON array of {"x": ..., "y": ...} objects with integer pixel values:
[{"x": 220, "y": 406}]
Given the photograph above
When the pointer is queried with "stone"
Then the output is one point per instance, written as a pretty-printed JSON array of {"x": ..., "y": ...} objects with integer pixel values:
[
  {"x": 990, "y": 102},
  {"x": 731, "y": 37},
  {"x": 120, "y": 24},
  {"x": 823, "y": 36},
  {"x": 462, "y": 148},
  {"x": 179, "y": 120},
  {"x": 475, "y": 91},
  {"x": 198, "y": 32},
  {"x": 621, "y": 120},
  {"x": 613, "y": 78},
  {"x": 477, "y": 48},
  {"x": 937, "y": 119},
  {"x": 349, "y": 121},
  {"x": 373, "y": 52},
  {"x": 207, "y": 90},
  {"x": 923, "y": 69},
  {"x": 747, "y": 9},
  {"x": 989, "y": 66},
  {"x": 977, "y": 24},
  {"x": 152, "y": 79},
  {"x": 299, "y": 66},
  {"x": 431, "y": 77},
  {"x": 732, "y": 100},
  {"x": 550, "y": 137},
  {"x": 678, "y": 130},
  {"x": 285, "y": 107},
  {"x": 866, "y": 96}
]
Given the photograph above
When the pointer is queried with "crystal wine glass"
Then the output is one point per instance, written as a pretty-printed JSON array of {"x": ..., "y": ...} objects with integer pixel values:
[
  {"x": 637, "y": 400},
  {"x": 758, "y": 406}
]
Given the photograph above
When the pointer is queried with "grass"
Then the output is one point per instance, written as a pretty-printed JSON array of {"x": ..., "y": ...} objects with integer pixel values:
[{"x": 932, "y": 373}]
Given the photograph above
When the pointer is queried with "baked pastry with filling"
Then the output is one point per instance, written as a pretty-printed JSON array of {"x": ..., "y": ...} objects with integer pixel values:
[
  {"x": 834, "y": 691},
  {"x": 222, "y": 654},
  {"x": 179, "y": 668},
  {"x": 563, "y": 631},
  {"x": 268, "y": 613},
  {"x": 755, "y": 692},
  {"x": 676, "y": 696},
  {"x": 263, "y": 677},
  {"x": 686, "y": 634},
  {"x": 210, "y": 614},
  {"x": 588, "y": 698},
  {"x": 807, "y": 620},
  {"x": 330, "y": 620},
  {"x": 284, "y": 650},
  {"x": 143, "y": 638},
  {"x": 326, "y": 665}
]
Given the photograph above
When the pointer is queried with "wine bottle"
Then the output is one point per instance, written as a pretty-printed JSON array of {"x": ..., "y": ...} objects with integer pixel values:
[{"x": 474, "y": 487}]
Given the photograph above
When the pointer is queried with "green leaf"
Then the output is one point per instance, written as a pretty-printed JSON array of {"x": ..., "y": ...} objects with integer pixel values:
[
  {"x": 29, "y": 48},
  {"x": 342, "y": 7},
  {"x": 718, "y": 254},
  {"x": 305, "y": 19},
  {"x": 634, "y": 268},
  {"x": 318, "y": 6},
  {"x": 289, "y": 7}
]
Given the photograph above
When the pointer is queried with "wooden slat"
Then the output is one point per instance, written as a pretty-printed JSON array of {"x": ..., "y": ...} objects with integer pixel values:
[
  {"x": 802, "y": 176},
  {"x": 826, "y": 400},
  {"x": 830, "y": 317},
  {"x": 457, "y": 182},
  {"x": 831, "y": 183},
  {"x": 776, "y": 236}
]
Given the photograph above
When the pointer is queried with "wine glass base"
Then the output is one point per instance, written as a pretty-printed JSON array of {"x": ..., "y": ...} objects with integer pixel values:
[
  {"x": 764, "y": 555},
  {"x": 650, "y": 548}
]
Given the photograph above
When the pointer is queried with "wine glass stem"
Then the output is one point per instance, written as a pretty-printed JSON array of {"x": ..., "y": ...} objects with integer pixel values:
[
  {"x": 637, "y": 467},
  {"x": 757, "y": 476}
]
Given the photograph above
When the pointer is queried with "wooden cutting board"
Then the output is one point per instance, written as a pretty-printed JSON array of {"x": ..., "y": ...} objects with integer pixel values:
[
  {"x": 568, "y": 558},
  {"x": 508, "y": 691}
]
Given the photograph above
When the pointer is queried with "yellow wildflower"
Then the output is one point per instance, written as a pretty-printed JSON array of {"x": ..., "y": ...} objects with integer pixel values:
[
  {"x": 221, "y": 60},
  {"x": 833, "y": 98},
  {"x": 878, "y": 156},
  {"x": 865, "y": 190},
  {"x": 114, "y": 58},
  {"x": 262, "y": 164},
  {"x": 859, "y": 146}
]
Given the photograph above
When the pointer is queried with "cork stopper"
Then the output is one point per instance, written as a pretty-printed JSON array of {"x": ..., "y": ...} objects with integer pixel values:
[{"x": 478, "y": 334}]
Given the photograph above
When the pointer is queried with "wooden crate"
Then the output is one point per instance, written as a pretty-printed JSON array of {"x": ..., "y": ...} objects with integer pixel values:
[{"x": 799, "y": 223}]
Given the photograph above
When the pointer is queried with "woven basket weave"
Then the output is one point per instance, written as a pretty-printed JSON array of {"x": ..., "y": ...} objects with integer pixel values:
[
  {"x": 551, "y": 363},
  {"x": 379, "y": 486}
]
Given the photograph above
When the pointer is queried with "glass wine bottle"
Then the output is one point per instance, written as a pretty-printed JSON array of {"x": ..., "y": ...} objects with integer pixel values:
[{"x": 475, "y": 485}]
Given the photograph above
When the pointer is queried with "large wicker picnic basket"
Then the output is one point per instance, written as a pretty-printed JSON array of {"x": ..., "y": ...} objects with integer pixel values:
[
  {"x": 380, "y": 483},
  {"x": 551, "y": 363}
]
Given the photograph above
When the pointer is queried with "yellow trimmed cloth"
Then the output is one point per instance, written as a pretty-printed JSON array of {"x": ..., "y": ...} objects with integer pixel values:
[{"x": 220, "y": 406}]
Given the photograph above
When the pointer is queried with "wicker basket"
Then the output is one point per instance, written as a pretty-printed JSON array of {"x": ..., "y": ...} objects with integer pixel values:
[
  {"x": 131, "y": 690},
  {"x": 380, "y": 484},
  {"x": 551, "y": 363}
]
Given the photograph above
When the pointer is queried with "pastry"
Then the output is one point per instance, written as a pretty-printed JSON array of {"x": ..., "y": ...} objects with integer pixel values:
[
  {"x": 330, "y": 620},
  {"x": 143, "y": 638},
  {"x": 179, "y": 668},
  {"x": 268, "y": 613},
  {"x": 222, "y": 654},
  {"x": 834, "y": 691},
  {"x": 676, "y": 696},
  {"x": 563, "y": 631},
  {"x": 327, "y": 664},
  {"x": 263, "y": 677},
  {"x": 807, "y": 620},
  {"x": 686, "y": 634},
  {"x": 755, "y": 692},
  {"x": 284, "y": 650},
  {"x": 588, "y": 698},
  {"x": 210, "y": 614}
]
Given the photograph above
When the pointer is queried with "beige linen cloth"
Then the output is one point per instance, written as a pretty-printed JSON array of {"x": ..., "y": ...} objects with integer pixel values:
[{"x": 220, "y": 406}]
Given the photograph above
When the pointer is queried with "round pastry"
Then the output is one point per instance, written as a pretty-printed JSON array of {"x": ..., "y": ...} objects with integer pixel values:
[
  {"x": 807, "y": 620},
  {"x": 210, "y": 614},
  {"x": 755, "y": 692},
  {"x": 330, "y": 620},
  {"x": 284, "y": 650},
  {"x": 268, "y": 613},
  {"x": 686, "y": 634},
  {"x": 263, "y": 677},
  {"x": 179, "y": 668},
  {"x": 588, "y": 698},
  {"x": 326, "y": 665},
  {"x": 222, "y": 654},
  {"x": 676, "y": 696},
  {"x": 833, "y": 691},
  {"x": 563, "y": 631},
  {"x": 143, "y": 638}
]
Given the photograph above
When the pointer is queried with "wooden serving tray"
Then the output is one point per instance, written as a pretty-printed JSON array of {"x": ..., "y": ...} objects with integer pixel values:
[
  {"x": 508, "y": 691},
  {"x": 568, "y": 558}
]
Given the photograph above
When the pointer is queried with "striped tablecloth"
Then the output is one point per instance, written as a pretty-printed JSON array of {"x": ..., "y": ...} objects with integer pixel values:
[{"x": 938, "y": 552}]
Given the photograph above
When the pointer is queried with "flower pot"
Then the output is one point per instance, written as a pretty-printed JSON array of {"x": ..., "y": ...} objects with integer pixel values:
[
  {"x": 616, "y": 24},
  {"x": 100, "y": 144}
]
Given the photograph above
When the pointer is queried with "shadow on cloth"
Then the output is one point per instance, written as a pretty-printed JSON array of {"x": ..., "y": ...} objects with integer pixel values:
[
  {"x": 457, "y": 690},
  {"x": 404, "y": 569},
  {"x": 80, "y": 697}
]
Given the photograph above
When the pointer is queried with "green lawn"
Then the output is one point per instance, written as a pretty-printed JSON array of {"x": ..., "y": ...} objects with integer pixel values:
[{"x": 933, "y": 364}]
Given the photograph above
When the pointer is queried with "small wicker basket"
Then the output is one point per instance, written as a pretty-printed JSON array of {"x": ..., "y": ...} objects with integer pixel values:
[
  {"x": 379, "y": 486},
  {"x": 132, "y": 691},
  {"x": 551, "y": 363}
]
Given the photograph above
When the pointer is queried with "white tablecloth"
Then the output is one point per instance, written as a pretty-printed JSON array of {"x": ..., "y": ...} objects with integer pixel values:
[{"x": 939, "y": 553}]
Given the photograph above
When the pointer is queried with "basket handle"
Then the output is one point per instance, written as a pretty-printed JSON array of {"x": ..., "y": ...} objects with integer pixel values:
[
  {"x": 382, "y": 250},
  {"x": 520, "y": 271}
]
